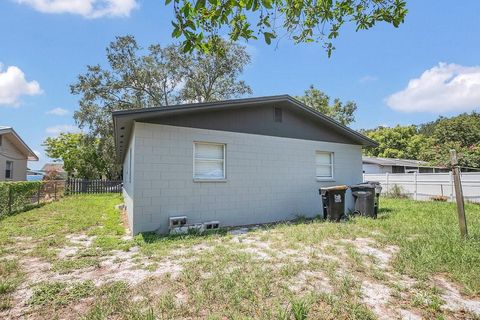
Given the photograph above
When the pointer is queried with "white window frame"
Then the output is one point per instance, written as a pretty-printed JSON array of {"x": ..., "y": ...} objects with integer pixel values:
[
  {"x": 332, "y": 166},
  {"x": 224, "y": 160}
]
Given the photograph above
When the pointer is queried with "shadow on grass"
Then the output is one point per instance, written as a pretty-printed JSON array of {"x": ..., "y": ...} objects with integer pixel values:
[
  {"x": 24, "y": 209},
  {"x": 384, "y": 210},
  {"x": 153, "y": 237}
]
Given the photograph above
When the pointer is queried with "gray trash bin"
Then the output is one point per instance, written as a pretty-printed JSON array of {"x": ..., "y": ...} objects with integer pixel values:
[
  {"x": 364, "y": 195},
  {"x": 333, "y": 199}
]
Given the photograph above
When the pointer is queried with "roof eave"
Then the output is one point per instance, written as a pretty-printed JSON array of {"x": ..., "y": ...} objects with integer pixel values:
[
  {"x": 356, "y": 136},
  {"x": 31, "y": 156}
]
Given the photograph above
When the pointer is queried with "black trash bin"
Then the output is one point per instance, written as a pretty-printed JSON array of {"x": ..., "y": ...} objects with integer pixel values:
[
  {"x": 333, "y": 199},
  {"x": 378, "y": 191},
  {"x": 366, "y": 196}
]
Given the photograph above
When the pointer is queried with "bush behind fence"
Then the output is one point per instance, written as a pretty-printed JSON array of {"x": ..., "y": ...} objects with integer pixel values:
[{"x": 23, "y": 195}]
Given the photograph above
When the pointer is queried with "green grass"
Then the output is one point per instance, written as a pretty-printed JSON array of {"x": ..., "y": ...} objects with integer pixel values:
[
  {"x": 48, "y": 225},
  {"x": 427, "y": 234},
  {"x": 10, "y": 278},
  {"x": 226, "y": 281},
  {"x": 61, "y": 293}
]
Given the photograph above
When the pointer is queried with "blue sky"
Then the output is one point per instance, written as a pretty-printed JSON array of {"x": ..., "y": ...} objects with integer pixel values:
[{"x": 43, "y": 49}]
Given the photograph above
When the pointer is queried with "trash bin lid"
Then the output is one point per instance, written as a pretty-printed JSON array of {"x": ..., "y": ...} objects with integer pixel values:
[
  {"x": 334, "y": 188},
  {"x": 361, "y": 194},
  {"x": 363, "y": 186}
]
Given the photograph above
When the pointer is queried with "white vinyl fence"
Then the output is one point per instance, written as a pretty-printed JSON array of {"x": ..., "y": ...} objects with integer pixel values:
[{"x": 423, "y": 186}]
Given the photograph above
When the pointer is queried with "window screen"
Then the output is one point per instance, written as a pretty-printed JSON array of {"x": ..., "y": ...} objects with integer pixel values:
[{"x": 209, "y": 161}]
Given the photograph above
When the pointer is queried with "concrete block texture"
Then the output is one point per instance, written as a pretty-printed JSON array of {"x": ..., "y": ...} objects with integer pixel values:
[{"x": 268, "y": 178}]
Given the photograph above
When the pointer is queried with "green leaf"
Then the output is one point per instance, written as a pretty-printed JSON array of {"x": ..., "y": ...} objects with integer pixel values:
[
  {"x": 267, "y": 4},
  {"x": 176, "y": 32},
  {"x": 167, "y": 2},
  {"x": 268, "y": 37},
  {"x": 200, "y": 4}
]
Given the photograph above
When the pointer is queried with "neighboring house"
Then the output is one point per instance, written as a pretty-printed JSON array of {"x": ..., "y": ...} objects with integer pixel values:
[
  {"x": 384, "y": 165},
  {"x": 14, "y": 154},
  {"x": 238, "y": 162},
  {"x": 55, "y": 168}
]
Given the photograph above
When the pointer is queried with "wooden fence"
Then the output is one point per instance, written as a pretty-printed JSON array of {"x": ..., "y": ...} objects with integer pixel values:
[{"x": 77, "y": 186}]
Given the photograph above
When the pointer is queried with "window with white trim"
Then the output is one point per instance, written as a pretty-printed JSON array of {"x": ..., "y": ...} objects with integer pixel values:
[
  {"x": 208, "y": 161},
  {"x": 324, "y": 165}
]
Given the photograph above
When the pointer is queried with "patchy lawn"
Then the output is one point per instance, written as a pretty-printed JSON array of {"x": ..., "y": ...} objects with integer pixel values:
[{"x": 72, "y": 259}]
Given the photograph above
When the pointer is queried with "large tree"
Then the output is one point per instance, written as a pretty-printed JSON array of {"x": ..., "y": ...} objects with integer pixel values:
[
  {"x": 431, "y": 141},
  {"x": 403, "y": 142},
  {"x": 78, "y": 153},
  {"x": 157, "y": 76},
  {"x": 200, "y": 22},
  {"x": 461, "y": 133},
  {"x": 318, "y": 100}
]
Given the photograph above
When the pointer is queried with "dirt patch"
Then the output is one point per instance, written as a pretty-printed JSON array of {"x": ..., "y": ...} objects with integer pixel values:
[
  {"x": 377, "y": 297},
  {"x": 454, "y": 301},
  {"x": 127, "y": 266},
  {"x": 138, "y": 270},
  {"x": 368, "y": 247},
  {"x": 81, "y": 240},
  {"x": 311, "y": 281},
  {"x": 124, "y": 217}
]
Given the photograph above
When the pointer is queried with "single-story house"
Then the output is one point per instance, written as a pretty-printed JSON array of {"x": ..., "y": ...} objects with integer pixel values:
[
  {"x": 14, "y": 154},
  {"x": 390, "y": 165},
  {"x": 236, "y": 162}
]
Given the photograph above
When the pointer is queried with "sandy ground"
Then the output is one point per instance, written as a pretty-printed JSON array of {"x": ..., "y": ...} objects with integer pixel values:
[{"x": 129, "y": 266}]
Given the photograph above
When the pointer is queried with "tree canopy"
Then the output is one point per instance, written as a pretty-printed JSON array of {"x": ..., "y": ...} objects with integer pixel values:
[
  {"x": 78, "y": 153},
  {"x": 200, "y": 23},
  {"x": 402, "y": 142},
  {"x": 152, "y": 77},
  {"x": 431, "y": 141},
  {"x": 318, "y": 100}
]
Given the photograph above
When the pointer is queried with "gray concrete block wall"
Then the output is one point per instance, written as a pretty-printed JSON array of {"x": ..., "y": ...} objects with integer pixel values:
[
  {"x": 128, "y": 185},
  {"x": 268, "y": 178}
]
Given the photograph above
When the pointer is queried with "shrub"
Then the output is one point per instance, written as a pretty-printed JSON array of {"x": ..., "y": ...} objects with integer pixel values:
[
  {"x": 16, "y": 196},
  {"x": 397, "y": 192}
]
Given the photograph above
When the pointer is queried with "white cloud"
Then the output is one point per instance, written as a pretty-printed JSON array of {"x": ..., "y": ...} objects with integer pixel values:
[
  {"x": 62, "y": 128},
  {"x": 58, "y": 112},
  {"x": 367, "y": 79},
  {"x": 85, "y": 8},
  {"x": 443, "y": 88},
  {"x": 13, "y": 85}
]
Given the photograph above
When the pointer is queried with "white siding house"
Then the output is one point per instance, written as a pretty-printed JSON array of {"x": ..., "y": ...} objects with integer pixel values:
[
  {"x": 237, "y": 176},
  {"x": 14, "y": 155}
]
